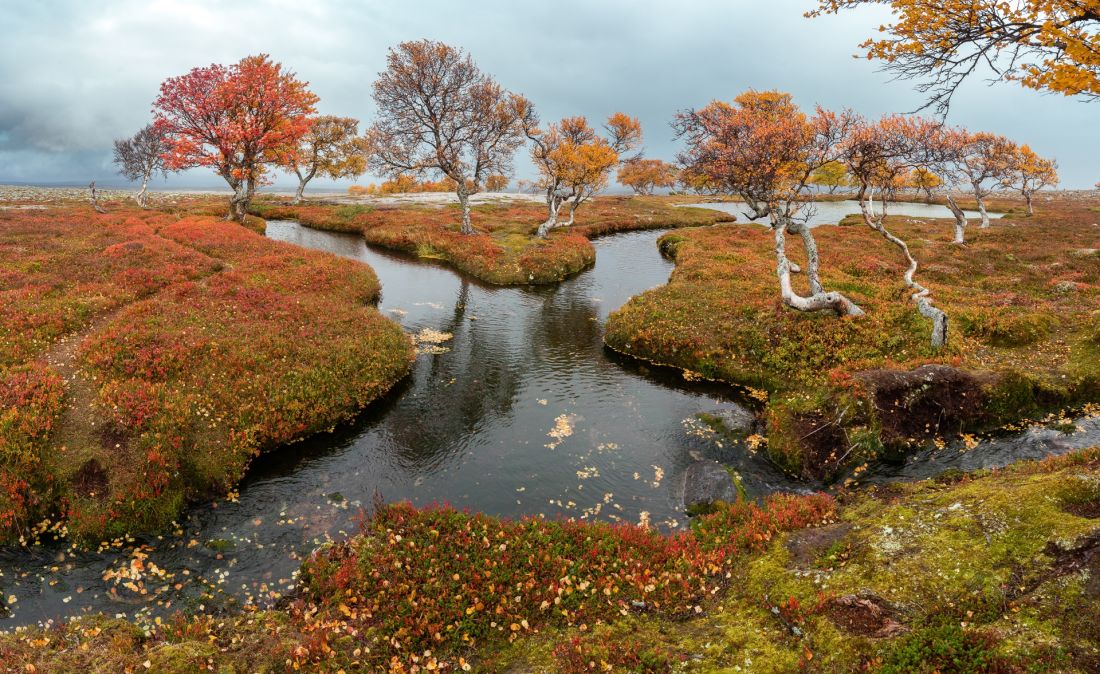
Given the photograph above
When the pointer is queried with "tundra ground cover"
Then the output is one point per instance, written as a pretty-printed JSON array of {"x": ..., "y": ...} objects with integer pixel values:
[
  {"x": 1023, "y": 315},
  {"x": 883, "y": 580},
  {"x": 991, "y": 572},
  {"x": 504, "y": 249},
  {"x": 429, "y": 589},
  {"x": 145, "y": 358}
]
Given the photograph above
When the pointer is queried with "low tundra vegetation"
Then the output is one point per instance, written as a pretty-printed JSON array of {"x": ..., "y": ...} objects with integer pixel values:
[
  {"x": 1022, "y": 318},
  {"x": 504, "y": 248},
  {"x": 989, "y": 572},
  {"x": 145, "y": 358}
]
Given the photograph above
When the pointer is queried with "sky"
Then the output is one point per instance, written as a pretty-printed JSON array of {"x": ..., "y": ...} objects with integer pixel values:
[{"x": 74, "y": 75}]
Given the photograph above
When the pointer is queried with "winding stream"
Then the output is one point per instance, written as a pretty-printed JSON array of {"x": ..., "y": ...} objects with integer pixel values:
[{"x": 522, "y": 412}]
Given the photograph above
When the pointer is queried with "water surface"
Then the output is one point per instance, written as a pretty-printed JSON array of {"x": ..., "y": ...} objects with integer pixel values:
[{"x": 832, "y": 212}]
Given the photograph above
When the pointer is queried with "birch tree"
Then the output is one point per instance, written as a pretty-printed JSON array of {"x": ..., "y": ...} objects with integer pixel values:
[
  {"x": 140, "y": 157},
  {"x": 645, "y": 175},
  {"x": 240, "y": 120},
  {"x": 1029, "y": 173},
  {"x": 763, "y": 148},
  {"x": 924, "y": 179},
  {"x": 332, "y": 148},
  {"x": 574, "y": 162},
  {"x": 881, "y": 154},
  {"x": 1047, "y": 45},
  {"x": 439, "y": 114},
  {"x": 982, "y": 160}
]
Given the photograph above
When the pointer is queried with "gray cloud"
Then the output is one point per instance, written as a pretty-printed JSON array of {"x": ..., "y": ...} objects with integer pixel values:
[{"x": 74, "y": 75}]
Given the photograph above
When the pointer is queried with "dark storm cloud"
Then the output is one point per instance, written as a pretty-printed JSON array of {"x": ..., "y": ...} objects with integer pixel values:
[{"x": 75, "y": 75}]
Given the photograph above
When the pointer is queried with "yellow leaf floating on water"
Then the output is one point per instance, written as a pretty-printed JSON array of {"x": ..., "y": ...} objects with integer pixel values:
[
  {"x": 428, "y": 341},
  {"x": 563, "y": 428}
]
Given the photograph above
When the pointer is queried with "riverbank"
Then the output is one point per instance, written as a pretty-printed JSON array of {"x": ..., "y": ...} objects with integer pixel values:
[
  {"x": 988, "y": 572},
  {"x": 504, "y": 250},
  {"x": 146, "y": 358},
  {"x": 1022, "y": 297}
]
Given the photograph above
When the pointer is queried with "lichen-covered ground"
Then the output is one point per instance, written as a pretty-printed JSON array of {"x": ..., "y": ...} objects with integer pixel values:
[{"x": 992, "y": 572}]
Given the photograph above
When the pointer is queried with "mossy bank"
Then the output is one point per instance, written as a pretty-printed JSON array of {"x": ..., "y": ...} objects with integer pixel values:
[
  {"x": 146, "y": 358},
  {"x": 1023, "y": 300},
  {"x": 991, "y": 572}
]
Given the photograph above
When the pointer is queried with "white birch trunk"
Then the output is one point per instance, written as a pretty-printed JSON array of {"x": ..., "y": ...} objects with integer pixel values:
[
  {"x": 920, "y": 295},
  {"x": 142, "y": 196},
  {"x": 813, "y": 260},
  {"x": 981, "y": 206},
  {"x": 960, "y": 220},
  {"x": 551, "y": 220},
  {"x": 816, "y": 302},
  {"x": 464, "y": 200}
]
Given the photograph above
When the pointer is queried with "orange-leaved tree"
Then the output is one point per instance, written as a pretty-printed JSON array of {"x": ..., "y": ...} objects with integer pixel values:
[
  {"x": 439, "y": 114},
  {"x": 496, "y": 183},
  {"x": 1049, "y": 45},
  {"x": 239, "y": 120},
  {"x": 574, "y": 162},
  {"x": 881, "y": 155},
  {"x": 1029, "y": 173},
  {"x": 763, "y": 148},
  {"x": 332, "y": 148},
  {"x": 645, "y": 175},
  {"x": 982, "y": 160}
]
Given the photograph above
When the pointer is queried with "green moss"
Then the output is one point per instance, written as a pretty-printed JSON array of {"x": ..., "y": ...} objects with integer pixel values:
[{"x": 1007, "y": 328}]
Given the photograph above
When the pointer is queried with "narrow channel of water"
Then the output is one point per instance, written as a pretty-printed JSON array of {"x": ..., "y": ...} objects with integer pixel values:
[{"x": 523, "y": 412}]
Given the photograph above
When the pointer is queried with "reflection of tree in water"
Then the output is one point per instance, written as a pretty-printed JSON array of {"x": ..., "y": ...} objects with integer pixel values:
[
  {"x": 454, "y": 392},
  {"x": 566, "y": 326}
]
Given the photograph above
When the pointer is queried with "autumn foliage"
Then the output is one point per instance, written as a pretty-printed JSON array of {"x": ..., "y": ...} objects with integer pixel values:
[
  {"x": 574, "y": 162},
  {"x": 192, "y": 337},
  {"x": 440, "y": 114},
  {"x": 646, "y": 175},
  {"x": 1049, "y": 45},
  {"x": 506, "y": 250},
  {"x": 451, "y": 582},
  {"x": 238, "y": 120},
  {"x": 764, "y": 149},
  {"x": 331, "y": 149}
]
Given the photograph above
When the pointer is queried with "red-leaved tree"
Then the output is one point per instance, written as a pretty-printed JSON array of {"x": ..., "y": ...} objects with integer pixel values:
[{"x": 239, "y": 120}]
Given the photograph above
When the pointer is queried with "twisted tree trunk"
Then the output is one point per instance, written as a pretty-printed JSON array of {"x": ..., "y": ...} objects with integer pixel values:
[
  {"x": 816, "y": 301},
  {"x": 552, "y": 204},
  {"x": 813, "y": 260},
  {"x": 981, "y": 206},
  {"x": 143, "y": 196},
  {"x": 95, "y": 199},
  {"x": 960, "y": 220},
  {"x": 1030, "y": 208},
  {"x": 303, "y": 180},
  {"x": 920, "y": 295}
]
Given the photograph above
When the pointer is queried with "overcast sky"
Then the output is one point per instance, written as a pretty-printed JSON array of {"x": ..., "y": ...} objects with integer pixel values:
[{"x": 74, "y": 74}]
